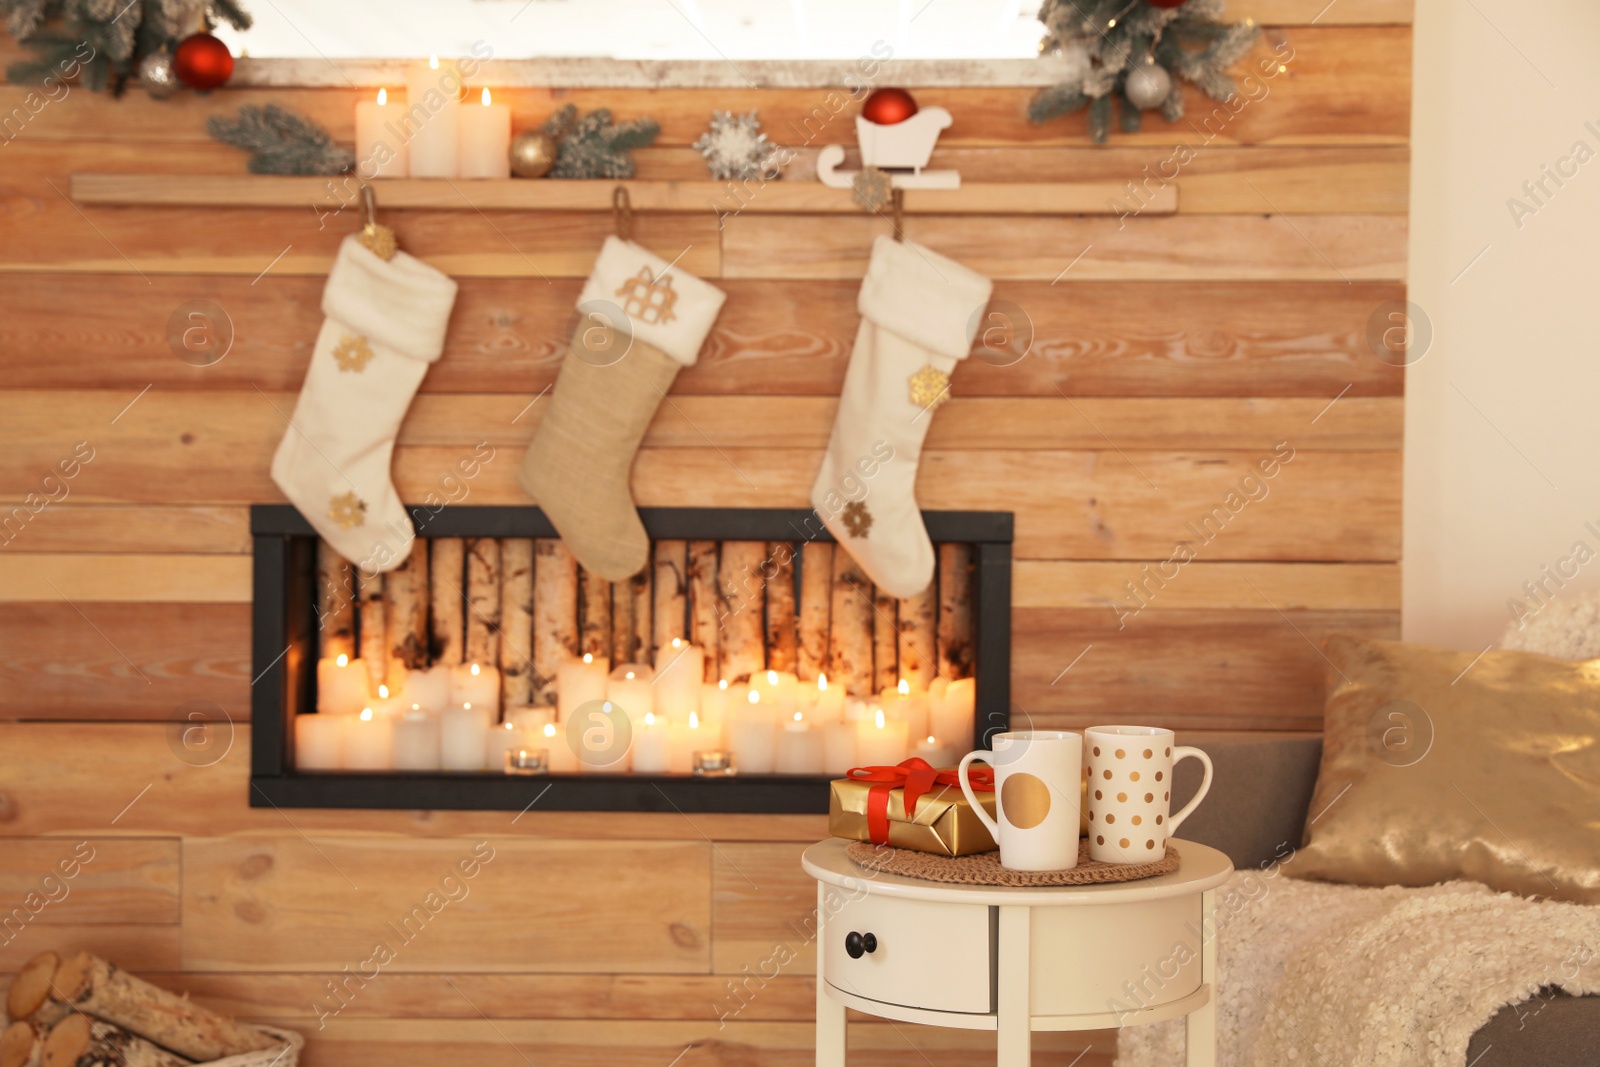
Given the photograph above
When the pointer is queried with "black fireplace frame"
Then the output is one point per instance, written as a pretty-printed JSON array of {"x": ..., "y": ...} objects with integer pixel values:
[{"x": 283, "y": 648}]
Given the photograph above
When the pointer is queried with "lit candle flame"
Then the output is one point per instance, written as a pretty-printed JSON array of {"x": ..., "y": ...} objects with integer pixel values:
[
  {"x": 930, "y": 739},
  {"x": 549, "y": 729},
  {"x": 605, "y": 707},
  {"x": 649, "y": 718},
  {"x": 383, "y": 97},
  {"x": 822, "y": 683},
  {"x": 509, "y": 726},
  {"x": 366, "y": 714},
  {"x": 486, "y": 97},
  {"x": 772, "y": 677},
  {"x": 343, "y": 660},
  {"x": 433, "y": 62},
  {"x": 474, "y": 668},
  {"x": 799, "y": 717},
  {"x": 723, "y": 684},
  {"x": 677, "y": 642},
  {"x": 629, "y": 676},
  {"x": 416, "y": 707},
  {"x": 905, "y": 687},
  {"x": 880, "y": 718},
  {"x": 588, "y": 657},
  {"x": 694, "y": 720},
  {"x": 755, "y": 696},
  {"x": 383, "y": 692}
]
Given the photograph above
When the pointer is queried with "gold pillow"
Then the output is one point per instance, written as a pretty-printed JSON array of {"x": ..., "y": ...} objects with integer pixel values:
[{"x": 1440, "y": 765}]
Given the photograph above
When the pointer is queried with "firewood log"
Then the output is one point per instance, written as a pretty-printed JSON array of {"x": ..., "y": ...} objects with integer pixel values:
[
  {"x": 705, "y": 604},
  {"x": 483, "y": 601},
  {"x": 20, "y": 1045},
  {"x": 781, "y": 635},
  {"x": 916, "y": 618},
  {"x": 31, "y": 987},
  {"x": 336, "y": 596},
  {"x": 555, "y": 614},
  {"x": 594, "y": 616},
  {"x": 742, "y": 598},
  {"x": 405, "y": 594},
  {"x": 79, "y": 1041},
  {"x": 624, "y": 636},
  {"x": 516, "y": 621},
  {"x": 955, "y": 611},
  {"x": 641, "y": 591},
  {"x": 816, "y": 595},
  {"x": 447, "y": 574},
  {"x": 374, "y": 632},
  {"x": 174, "y": 1022},
  {"x": 850, "y": 627},
  {"x": 670, "y": 594},
  {"x": 885, "y": 642}
]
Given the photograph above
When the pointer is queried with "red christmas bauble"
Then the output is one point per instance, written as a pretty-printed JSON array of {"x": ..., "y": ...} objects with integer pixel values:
[
  {"x": 1165, "y": 3},
  {"x": 202, "y": 62},
  {"x": 888, "y": 106}
]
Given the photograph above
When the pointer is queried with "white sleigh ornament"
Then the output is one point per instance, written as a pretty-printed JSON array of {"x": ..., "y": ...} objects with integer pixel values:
[{"x": 900, "y": 150}]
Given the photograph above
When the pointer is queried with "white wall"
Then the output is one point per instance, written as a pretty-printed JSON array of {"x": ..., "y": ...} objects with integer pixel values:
[{"x": 1503, "y": 412}]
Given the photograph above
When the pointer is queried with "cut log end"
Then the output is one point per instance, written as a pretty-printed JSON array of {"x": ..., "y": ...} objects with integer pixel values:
[
  {"x": 31, "y": 987},
  {"x": 79, "y": 1041},
  {"x": 19, "y": 1045}
]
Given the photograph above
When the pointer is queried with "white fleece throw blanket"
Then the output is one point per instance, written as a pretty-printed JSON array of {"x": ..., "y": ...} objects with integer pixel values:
[{"x": 1312, "y": 973}]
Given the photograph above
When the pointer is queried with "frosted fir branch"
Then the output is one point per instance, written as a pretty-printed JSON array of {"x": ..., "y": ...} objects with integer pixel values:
[{"x": 280, "y": 141}]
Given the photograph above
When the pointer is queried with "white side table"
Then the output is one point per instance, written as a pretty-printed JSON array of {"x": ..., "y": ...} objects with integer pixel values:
[{"x": 1016, "y": 960}]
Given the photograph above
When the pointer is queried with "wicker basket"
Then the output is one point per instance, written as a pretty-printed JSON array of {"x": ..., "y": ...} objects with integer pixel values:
[{"x": 278, "y": 1056}]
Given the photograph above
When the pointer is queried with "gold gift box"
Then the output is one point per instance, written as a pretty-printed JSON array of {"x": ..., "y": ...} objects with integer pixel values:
[{"x": 943, "y": 823}]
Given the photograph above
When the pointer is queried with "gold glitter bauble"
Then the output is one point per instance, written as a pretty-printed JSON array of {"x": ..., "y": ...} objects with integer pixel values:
[{"x": 533, "y": 153}]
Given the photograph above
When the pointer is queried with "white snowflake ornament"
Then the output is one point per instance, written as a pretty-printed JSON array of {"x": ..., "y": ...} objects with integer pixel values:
[{"x": 735, "y": 148}]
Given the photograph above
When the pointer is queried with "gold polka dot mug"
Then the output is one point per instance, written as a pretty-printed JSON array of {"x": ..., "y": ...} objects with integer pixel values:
[
  {"x": 1130, "y": 791},
  {"x": 1037, "y": 777}
]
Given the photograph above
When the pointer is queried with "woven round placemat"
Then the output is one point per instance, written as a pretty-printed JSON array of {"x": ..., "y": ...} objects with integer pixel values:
[{"x": 984, "y": 868}]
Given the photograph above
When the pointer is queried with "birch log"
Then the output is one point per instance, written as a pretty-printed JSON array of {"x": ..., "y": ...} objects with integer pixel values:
[
  {"x": 336, "y": 594},
  {"x": 704, "y": 605},
  {"x": 447, "y": 575},
  {"x": 20, "y": 1045},
  {"x": 850, "y": 627},
  {"x": 741, "y": 595},
  {"x": 624, "y": 624},
  {"x": 670, "y": 594},
  {"x": 555, "y": 614},
  {"x": 781, "y": 636},
  {"x": 816, "y": 595},
  {"x": 31, "y": 986},
  {"x": 405, "y": 594},
  {"x": 516, "y": 622},
  {"x": 79, "y": 1041},
  {"x": 483, "y": 601},
  {"x": 955, "y": 611},
  {"x": 594, "y": 617},
  {"x": 915, "y": 622},
  {"x": 374, "y": 632},
  {"x": 643, "y": 595},
  {"x": 94, "y": 986},
  {"x": 885, "y": 642}
]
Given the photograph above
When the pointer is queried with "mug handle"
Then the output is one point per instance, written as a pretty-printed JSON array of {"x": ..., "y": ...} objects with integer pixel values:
[
  {"x": 1205, "y": 786},
  {"x": 966, "y": 789}
]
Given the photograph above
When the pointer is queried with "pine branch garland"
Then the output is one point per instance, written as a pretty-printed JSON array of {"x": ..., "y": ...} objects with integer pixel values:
[
  {"x": 281, "y": 142},
  {"x": 592, "y": 146}
]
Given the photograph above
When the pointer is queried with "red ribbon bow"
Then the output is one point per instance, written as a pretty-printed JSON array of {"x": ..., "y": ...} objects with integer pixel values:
[{"x": 916, "y": 776}]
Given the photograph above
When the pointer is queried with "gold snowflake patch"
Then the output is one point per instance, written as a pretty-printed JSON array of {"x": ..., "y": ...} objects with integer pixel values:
[
  {"x": 930, "y": 387},
  {"x": 857, "y": 519},
  {"x": 352, "y": 353},
  {"x": 347, "y": 511}
]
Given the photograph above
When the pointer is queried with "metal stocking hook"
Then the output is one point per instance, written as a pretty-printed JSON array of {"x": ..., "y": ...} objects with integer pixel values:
[{"x": 622, "y": 213}]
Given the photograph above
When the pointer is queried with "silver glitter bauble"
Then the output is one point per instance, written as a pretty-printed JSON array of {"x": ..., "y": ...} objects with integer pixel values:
[
  {"x": 157, "y": 76},
  {"x": 533, "y": 153},
  {"x": 1147, "y": 84}
]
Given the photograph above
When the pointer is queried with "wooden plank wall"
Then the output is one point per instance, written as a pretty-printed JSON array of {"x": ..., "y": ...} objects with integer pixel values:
[{"x": 1169, "y": 356}]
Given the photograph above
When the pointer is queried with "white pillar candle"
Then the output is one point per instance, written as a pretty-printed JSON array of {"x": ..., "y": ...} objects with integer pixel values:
[
  {"x": 881, "y": 741},
  {"x": 319, "y": 741},
  {"x": 427, "y": 690},
  {"x": 341, "y": 685},
  {"x": 691, "y": 737},
  {"x": 531, "y": 721},
  {"x": 800, "y": 748},
  {"x": 485, "y": 146},
  {"x": 938, "y": 753},
  {"x": 753, "y": 736},
  {"x": 830, "y": 701},
  {"x": 416, "y": 743},
  {"x": 652, "y": 745},
  {"x": 368, "y": 742},
  {"x": 380, "y": 142},
  {"x": 562, "y": 759},
  {"x": 630, "y": 690},
  {"x": 680, "y": 667},
  {"x": 386, "y": 706},
  {"x": 900, "y": 703},
  {"x": 600, "y": 738},
  {"x": 714, "y": 702},
  {"x": 839, "y": 746},
  {"x": 463, "y": 737},
  {"x": 777, "y": 689},
  {"x": 475, "y": 684},
  {"x": 433, "y": 103},
  {"x": 953, "y": 712},
  {"x": 503, "y": 738},
  {"x": 579, "y": 681}
]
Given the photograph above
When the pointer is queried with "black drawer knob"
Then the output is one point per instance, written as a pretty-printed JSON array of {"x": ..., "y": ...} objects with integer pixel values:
[{"x": 855, "y": 944}]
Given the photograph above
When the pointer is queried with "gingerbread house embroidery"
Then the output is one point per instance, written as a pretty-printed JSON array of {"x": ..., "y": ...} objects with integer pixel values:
[{"x": 648, "y": 298}]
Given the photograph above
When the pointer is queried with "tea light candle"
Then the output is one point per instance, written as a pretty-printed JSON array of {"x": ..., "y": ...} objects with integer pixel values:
[
  {"x": 558, "y": 752},
  {"x": 715, "y": 763},
  {"x": 501, "y": 740},
  {"x": 368, "y": 742},
  {"x": 463, "y": 738},
  {"x": 416, "y": 743},
  {"x": 434, "y": 93},
  {"x": 427, "y": 690},
  {"x": 800, "y": 748},
  {"x": 318, "y": 741},
  {"x": 753, "y": 735},
  {"x": 474, "y": 684},
  {"x": 630, "y": 690},
  {"x": 527, "y": 761},
  {"x": 881, "y": 741},
  {"x": 652, "y": 745},
  {"x": 839, "y": 746},
  {"x": 952, "y": 715},
  {"x": 380, "y": 145},
  {"x": 680, "y": 667},
  {"x": 936, "y": 752},
  {"x": 341, "y": 685},
  {"x": 485, "y": 148},
  {"x": 579, "y": 681}
]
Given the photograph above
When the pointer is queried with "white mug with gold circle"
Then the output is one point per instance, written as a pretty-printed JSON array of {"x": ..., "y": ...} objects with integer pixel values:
[
  {"x": 1130, "y": 791},
  {"x": 1037, "y": 774}
]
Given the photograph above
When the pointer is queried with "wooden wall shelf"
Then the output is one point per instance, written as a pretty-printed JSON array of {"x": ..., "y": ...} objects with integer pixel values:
[{"x": 781, "y": 197}]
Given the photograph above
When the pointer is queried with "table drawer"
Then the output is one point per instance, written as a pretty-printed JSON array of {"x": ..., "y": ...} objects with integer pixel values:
[{"x": 925, "y": 954}]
